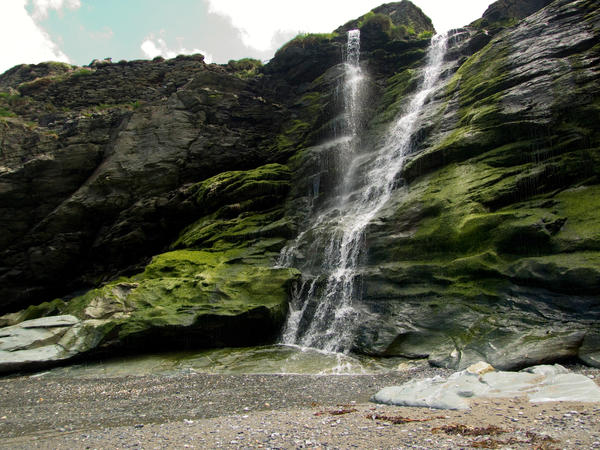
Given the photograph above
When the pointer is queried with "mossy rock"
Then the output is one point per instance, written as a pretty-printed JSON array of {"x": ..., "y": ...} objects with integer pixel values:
[
  {"x": 183, "y": 298},
  {"x": 237, "y": 187},
  {"x": 242, "y": 209}
]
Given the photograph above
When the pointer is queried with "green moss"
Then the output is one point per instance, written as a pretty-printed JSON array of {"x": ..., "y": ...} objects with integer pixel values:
[
  {"x": 241, "y": 209},
  {"x": 542, "y": 240},
  {"x": 482, "y": 75},
  {"x": 81, "y": 72},
  {"x": 241, "y": 231},
  {"x": 236, "y": 187},
  {"x": 304, "y": 40},
  {"x": 178, "y": 288},
  {"x": 8, "y": 97},
  {"x": 581, "y": 207},
  {"x": 53, "y": 308},
  {"x": 398, "y": 87},
  {"x": 311, "y": 104},
  {"x": 425, "y": 35},
  {"x": 245, "y": 68},
  {"x": 292, "y": 137},
  {"x": 6, "y": 113},
  {"x": 494, "y": 27},
  {"x": 481, "y": 126}
]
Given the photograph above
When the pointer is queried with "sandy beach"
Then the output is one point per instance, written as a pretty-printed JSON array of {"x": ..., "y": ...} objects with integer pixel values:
[{"x": 273, "y": 411}]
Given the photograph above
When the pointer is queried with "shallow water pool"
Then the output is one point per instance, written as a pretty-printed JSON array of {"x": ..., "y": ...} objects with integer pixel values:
[{"x": 272, "y": 359}]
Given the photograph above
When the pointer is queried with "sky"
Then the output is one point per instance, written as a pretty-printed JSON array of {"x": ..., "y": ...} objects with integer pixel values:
[{"x": 79, "y": 31}]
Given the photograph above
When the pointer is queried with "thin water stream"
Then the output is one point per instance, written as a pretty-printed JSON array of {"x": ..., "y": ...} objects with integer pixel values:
[
  {"x": 320, "y": 328},
  {"x": 325, "y": 309}
]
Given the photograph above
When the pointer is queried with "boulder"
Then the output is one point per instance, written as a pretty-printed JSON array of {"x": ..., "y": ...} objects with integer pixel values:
[
  {"x": 184, "y": 299},
  {"x": 539, "y": 384},
  {"x": 35, "y": 342}
]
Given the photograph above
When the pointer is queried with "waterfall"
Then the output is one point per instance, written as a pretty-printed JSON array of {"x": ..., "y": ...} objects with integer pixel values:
[
  {"x": 323, "y": 312},
  {"x": 353, "y": 84}
]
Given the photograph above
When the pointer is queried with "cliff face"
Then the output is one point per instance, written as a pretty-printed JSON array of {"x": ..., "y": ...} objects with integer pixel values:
[
  {"x": 492, "y": 250},
  {"x": 153, "y": 197}
]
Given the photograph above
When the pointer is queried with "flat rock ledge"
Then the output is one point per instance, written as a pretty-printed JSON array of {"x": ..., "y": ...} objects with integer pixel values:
[
  {"x": 545, "y": 383},
  {"x": 37, "y": 342}
]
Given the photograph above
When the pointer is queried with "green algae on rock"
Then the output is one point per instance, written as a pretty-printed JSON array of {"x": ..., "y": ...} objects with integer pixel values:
[
  {"x": 490, "y": 252},
  {"x": 183, "y": 299},
  {"x": 489, "y": 247}
]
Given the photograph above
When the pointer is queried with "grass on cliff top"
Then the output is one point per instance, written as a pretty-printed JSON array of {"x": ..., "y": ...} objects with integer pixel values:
[
  {"x": 305, "y": 40},
  {"x": 245, "y": 68},
  {"x": 394, "y": 32}
]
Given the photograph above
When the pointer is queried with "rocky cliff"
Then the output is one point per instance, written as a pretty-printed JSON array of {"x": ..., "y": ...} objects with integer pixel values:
[{"x": 145, "y": 203}]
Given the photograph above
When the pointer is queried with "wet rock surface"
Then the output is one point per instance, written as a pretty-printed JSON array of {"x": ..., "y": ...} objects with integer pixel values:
[
  {"x": 483, "y": 255},
  {"x": 153, "y": 197}
]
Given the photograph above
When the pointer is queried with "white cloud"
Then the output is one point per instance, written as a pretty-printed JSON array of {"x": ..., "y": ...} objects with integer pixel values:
[
  {"x": 25, "y": 42},
  {"x": 41, "y": 7},
  {"x": 261, "y": 21},
  {"x": 447, "y": 15},
  {"x": 153, "y": 47}
]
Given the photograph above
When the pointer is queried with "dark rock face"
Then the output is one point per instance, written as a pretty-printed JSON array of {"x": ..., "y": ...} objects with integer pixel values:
[
  {"x": 513, "y": 9},
  {"x": 153, "y": 197},
  {"x": 403, "y": 13},
  {"x": 486, "y": 254},
  {"x": 97, "y": 191}
]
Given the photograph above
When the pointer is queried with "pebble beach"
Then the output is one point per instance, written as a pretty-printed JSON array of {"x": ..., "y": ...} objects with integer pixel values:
[{"x": 198, "y": 410}]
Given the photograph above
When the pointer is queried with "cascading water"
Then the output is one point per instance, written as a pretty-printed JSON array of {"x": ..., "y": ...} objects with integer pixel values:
[
  {"x": 353, "y": 84},
  {"x": 323, "y": 311}
]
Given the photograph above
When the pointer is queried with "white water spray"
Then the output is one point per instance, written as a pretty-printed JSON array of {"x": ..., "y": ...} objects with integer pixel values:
[{"x": 323, "y": 311}]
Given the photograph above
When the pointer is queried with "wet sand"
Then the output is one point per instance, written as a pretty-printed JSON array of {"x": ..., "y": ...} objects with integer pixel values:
[{"x": 272, "y": 411}]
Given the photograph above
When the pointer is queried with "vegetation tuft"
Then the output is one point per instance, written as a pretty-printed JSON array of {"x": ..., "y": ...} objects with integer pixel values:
[
  {"x": 305, "y": 40},
  {"x": 245, "y": 68}
]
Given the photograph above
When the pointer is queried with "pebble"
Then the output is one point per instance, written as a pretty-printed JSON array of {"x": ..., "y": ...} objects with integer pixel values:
[{"x": 288, "y": 420}]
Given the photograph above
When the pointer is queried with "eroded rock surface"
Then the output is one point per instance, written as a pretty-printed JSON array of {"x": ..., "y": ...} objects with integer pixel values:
[
  {"x": 538, "y": 383},
  {"x": 150, "y": 199},
  {"x": 491, "y": 249}
]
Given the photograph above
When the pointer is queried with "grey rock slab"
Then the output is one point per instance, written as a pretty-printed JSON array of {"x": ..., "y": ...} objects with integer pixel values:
[
  {"x": 566, "y": 387},
  {"x": 50, "y": 322},
  {"x": 539, "y": 384},
  {"x": 35, "y": 333},
  {"x": 589, "y": 352},
  {"x": 36, "y": 357},
  {"x": 35, "y": 342}
]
